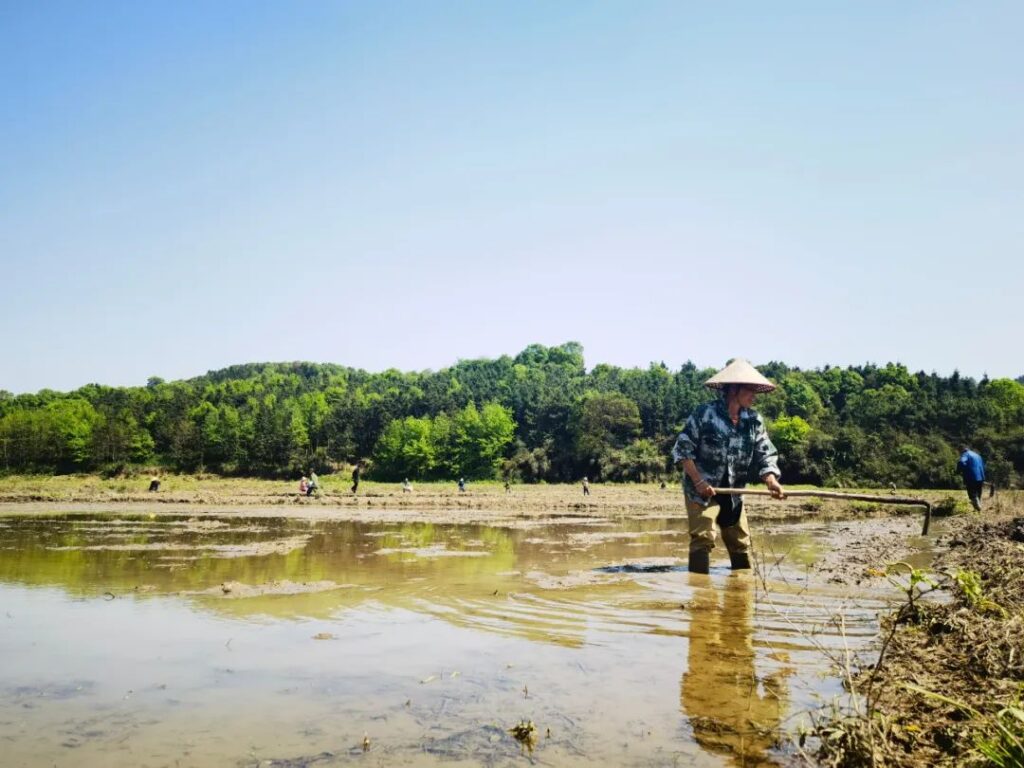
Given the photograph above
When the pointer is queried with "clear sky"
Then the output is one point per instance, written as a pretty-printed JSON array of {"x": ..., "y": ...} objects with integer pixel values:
[{"x": 188, "y": 185}]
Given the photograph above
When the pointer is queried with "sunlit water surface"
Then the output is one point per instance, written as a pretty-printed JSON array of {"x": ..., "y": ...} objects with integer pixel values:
[{"x": 202, "y": 641}]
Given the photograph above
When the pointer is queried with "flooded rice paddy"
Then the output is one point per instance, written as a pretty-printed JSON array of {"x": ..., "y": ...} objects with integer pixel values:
[{"x": 205, "y": 641}]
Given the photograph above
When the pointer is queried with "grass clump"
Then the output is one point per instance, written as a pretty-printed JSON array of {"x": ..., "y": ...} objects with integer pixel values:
[
  {"x": 948, "y": 505},
  {"x": 865, "y": 506}
]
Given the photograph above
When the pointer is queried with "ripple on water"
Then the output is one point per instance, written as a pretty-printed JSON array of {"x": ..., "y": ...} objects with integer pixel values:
[{"x": 594, "y": 631}]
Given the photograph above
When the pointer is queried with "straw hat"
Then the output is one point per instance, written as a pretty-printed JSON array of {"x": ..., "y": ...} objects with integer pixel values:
[{"x": 739, "y": 371}]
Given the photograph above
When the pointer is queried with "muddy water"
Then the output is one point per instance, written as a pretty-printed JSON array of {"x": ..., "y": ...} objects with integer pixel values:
[{"x": 182, "y": 641}]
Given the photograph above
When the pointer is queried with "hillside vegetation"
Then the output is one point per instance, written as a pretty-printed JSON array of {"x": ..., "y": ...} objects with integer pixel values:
[{"x": 537, "y": 416}]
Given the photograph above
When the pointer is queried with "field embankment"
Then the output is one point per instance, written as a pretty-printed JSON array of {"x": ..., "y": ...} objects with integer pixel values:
[{"x": 946, "y": 687}]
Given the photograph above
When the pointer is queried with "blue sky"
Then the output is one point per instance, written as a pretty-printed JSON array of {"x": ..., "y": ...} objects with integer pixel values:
[{"x": 188, "y": 185}]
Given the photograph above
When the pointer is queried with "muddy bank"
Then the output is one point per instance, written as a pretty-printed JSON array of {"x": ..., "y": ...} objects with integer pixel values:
[
  {"x": 945, "y": 686},
  {"x": 857, "y": 550}
]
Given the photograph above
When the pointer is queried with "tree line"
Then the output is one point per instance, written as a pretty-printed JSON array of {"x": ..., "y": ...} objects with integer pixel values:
[{"x": 538, "y": 416}]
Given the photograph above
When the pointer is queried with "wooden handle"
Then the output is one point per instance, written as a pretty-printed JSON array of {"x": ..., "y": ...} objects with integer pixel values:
[
  {"x": 826, "y": 495},
  {"x": 844, "y": 496}
]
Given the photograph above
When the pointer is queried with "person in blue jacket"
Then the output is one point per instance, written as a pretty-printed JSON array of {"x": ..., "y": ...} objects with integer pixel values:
[{"x": 972, "y": 469}]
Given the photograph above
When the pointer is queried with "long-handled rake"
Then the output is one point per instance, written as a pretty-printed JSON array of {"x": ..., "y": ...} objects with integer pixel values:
[{"x": 844, "y": 496}]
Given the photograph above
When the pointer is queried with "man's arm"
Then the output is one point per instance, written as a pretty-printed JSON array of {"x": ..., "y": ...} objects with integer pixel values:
[
  {"x": 684, "y": 454},
  {"x": 766, "y": 458}
]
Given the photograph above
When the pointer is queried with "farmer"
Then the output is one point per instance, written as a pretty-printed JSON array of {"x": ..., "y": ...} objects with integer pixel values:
[
  {"x": 586, "y": 487},
  {"x": 725, "y": 443},
  {"x": 972, "y": 470},
  {"x": 355, "y": 476}
]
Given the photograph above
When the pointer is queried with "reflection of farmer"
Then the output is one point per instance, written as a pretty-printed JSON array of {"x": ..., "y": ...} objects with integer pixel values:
[
  {"x": 723, "y": 444},
  {"x": 732, "y": 711},
  {"x": 972, "y": 470}
]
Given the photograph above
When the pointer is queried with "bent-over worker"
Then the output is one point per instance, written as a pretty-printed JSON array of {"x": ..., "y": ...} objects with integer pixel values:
[{"x": 724, "y": 444}]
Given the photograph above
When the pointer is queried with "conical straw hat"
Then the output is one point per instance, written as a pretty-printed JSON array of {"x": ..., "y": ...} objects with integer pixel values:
[{"x": 739, "y": 371}]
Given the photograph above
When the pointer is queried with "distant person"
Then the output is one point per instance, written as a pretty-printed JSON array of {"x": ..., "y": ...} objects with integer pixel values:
[
  {"x": 972, "y": 470},
  {"x": 357, "y": 470},
  {"x": 304, "y": 486},
  {"x": 462, "y": 485},
  {"x": 314, "y": 484},
  {"x": 663, "y": 485},
  {"x": 724, "y": 443},
  {"x": 154, "y": 484},
  {"x": 508, "y": 487},
  {"x": 406, "y": 486},
  {"x": 586, "y": 487}
]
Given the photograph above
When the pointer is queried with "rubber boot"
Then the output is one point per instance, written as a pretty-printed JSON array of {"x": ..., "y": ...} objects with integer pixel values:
[
  {"x": 740, "y": 561},
  {"x": 700, "y": 561}
]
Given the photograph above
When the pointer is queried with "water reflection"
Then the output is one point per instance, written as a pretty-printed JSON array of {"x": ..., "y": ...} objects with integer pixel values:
[{"x": 732, "y": 709}]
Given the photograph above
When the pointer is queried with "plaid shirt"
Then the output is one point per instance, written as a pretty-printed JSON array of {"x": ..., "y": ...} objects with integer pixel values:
[{"x": 726, "y": 455}]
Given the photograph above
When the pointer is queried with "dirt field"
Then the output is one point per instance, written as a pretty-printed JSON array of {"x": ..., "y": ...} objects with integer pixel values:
[{"x": 433, "y": 502}]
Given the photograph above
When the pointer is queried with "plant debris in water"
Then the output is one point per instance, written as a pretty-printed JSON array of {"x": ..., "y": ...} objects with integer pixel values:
[{"x": 525, "y": 732}]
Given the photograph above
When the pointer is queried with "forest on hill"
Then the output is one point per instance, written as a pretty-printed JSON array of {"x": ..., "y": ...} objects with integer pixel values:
[{"x": 538, "y": 416}]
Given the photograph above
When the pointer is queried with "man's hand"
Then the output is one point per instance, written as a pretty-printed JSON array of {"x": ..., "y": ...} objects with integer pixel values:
[
  {"x": 773, "y": 485},
  {"x": 705, "y": 489}
]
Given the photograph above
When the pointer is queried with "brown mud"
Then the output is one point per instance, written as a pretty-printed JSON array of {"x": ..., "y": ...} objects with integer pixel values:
[{"x": 945, "y": 685}]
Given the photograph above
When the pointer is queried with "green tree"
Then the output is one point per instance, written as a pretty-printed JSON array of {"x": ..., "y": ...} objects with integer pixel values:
[
  {"x": 405, "y": 449},
  {"x": 480, "y": 439},
  {"x": 70, "y": 424},
  {"x": 602, "y": 422},
  {"x": 788, "y": 432}
]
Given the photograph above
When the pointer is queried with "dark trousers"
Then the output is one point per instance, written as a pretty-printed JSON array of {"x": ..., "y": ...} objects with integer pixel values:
[{"x": 974, "y": 489}]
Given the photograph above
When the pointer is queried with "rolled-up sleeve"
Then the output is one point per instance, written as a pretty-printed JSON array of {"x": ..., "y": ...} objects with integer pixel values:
[
  {"x": 686, "y": 443},
  {"x": 766, "y": 457}
]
